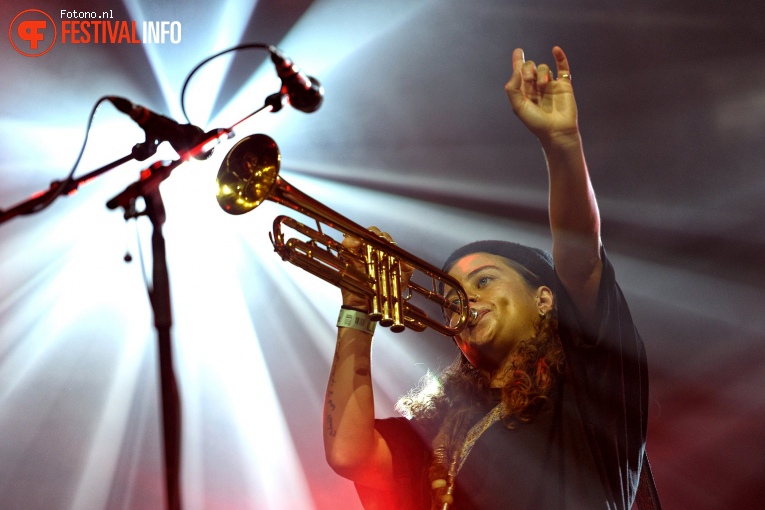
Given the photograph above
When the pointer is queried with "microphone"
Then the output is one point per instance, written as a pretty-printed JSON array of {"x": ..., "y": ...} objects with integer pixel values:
[
  {"x": 159, "y": 128},
  {"x": 305, "y": 93}
]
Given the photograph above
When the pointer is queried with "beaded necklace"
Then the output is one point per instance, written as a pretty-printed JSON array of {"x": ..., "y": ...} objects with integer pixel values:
[{"x": 460, "y": 455}]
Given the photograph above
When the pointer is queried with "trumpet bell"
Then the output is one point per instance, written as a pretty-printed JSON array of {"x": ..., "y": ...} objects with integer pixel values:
[{"x": 248, "y": 174}]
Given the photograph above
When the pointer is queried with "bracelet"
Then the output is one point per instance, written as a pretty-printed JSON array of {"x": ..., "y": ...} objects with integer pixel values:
[{"x": 355, "y": 319}]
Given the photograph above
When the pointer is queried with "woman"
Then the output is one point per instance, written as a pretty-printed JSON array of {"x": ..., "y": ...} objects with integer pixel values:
[{"x": 546, "y": 406}]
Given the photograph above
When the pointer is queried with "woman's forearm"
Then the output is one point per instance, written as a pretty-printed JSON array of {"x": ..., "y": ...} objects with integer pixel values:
[
  {"x": 349, "y": 435},
  {"x": 574, "y": 215},
  {"x": 574, "y": 222}
]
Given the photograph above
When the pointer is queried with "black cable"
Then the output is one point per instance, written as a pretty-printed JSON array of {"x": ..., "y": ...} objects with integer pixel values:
[
  {"x": 261, "y": 46},
  {"x": 69, "y": 178}
]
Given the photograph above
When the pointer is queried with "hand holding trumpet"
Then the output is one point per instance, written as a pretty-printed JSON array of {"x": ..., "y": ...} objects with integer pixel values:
[{"x": 355, "y": 245}]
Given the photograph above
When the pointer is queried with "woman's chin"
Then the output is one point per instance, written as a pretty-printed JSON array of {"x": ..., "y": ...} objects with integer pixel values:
[{"x": 482, "y": 333}]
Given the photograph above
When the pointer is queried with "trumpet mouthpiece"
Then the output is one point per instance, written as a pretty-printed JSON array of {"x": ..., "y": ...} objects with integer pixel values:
[{"x": 472, "y": 317}]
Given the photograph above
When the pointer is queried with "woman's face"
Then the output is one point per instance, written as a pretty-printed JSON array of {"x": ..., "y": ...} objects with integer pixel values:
[{"x": 508, "y": 309}]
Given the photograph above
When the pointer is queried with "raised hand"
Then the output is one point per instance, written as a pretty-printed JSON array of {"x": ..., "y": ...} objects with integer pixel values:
[{"x": 544, "y": 103}]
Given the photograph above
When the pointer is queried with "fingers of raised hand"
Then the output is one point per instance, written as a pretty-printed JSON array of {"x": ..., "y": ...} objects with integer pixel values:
[
  {"x": 561, "y": 63},
  {"x": 513, "y": 87},
  {"x": 529, "y": 72},
  {"x": 518, "y": 59},
  {"x": 544, "y": 76},
  {"x": 529, "y": 76}
]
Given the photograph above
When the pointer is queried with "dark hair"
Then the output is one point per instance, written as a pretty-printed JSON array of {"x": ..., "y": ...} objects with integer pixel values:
[
  {"x": 533, "y": 372},
  {"x": 538, "y": 262}
]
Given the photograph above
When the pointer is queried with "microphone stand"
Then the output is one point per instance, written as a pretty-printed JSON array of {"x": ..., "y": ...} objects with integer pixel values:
[
  {"x": 159, "y": 292},
  {"x": 35, "y": 202},
  {"x": 140, "y": 152},
  {"x": 159, "y": 297}
]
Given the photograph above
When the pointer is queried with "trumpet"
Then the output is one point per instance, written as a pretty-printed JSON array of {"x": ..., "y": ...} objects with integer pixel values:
[{"x": 249, "y": 174}]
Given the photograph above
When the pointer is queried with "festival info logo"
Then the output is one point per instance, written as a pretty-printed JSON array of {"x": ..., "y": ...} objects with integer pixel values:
[{"x": 32, "y": 33}]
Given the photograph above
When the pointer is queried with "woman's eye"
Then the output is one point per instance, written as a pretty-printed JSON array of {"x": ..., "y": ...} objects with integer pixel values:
[{"x": 483, "y": 281}]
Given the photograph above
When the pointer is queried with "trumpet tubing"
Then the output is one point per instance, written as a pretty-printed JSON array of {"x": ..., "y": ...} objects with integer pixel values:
[{"x": 248, "y": 175}]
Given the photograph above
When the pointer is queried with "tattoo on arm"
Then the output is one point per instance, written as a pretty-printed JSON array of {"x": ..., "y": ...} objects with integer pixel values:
[{"x": 330, "y": 404}]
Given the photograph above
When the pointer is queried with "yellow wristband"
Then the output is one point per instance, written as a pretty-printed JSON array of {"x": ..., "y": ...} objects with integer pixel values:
[{"x": 355, "y": 320}]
